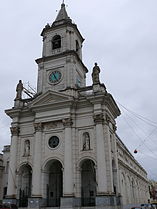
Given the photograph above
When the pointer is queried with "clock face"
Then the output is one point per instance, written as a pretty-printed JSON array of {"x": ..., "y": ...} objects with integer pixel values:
[
  {"x": 55, "y": 76},
  {"x": 53, "y": 141}
]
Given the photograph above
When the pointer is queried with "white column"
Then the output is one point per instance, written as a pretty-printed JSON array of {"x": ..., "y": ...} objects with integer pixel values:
[
  {"x": 36, "y": 178},
  {"x": 109, "y": 156},
  {"x": 68, "y": 168},
  {"x": 11, "y": 189},
  {"x": 116, "y": 158},
  {"x": 101, "y": 159}
]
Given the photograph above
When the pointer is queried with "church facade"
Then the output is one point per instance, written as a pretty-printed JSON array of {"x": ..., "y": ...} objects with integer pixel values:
[{"x": 65, "y": 152}]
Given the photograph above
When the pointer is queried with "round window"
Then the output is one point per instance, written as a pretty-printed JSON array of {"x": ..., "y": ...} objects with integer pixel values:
[{"x": 53, "y": 141}]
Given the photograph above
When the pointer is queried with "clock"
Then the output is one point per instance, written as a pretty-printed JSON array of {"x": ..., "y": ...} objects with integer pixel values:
[
  {"x": 55, "y": 76},
  {"x": 53, "y": 141}
]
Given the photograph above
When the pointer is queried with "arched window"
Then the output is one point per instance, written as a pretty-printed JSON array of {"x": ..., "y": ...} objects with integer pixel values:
[
  {"x": 56, "y": 42},
  {"x": 77, "y": 46}
]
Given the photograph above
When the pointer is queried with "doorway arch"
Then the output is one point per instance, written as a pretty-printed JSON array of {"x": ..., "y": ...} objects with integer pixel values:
[
  {"x": 88, "y": 183},
  {"x": 54, "y": 183},
  {"x": 25, "y": 184}
]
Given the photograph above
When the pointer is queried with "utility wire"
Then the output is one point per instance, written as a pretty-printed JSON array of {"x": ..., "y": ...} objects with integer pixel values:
[
  {"x": 150, "y": 172},
  {"x": 135, "y": 122},
  {"x": 143, "y": 141},
  {"x": 144, "y": 119},
  {"x": 150, "y": 122}
]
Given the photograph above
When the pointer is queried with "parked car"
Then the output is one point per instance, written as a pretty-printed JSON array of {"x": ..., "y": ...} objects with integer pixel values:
[
  {"x": 137, "y": 208},
  {"x": 148, "y": 206},
  {"x": 8, "y": 206}
]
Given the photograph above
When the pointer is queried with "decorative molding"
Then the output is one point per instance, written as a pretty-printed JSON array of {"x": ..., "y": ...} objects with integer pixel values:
[
  {"x": 67, "y": 123},
  {"x": 51, "y": 125},
  {"x": 108, "y": 119},
  {"x": 15, "y": 130},
  {"x": 98, "y": 118},
  {"x": 38, "y": 127},
  {"x": 114, "y": 127}
]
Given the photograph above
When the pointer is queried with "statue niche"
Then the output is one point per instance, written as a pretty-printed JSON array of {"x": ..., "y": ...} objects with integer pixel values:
[
  {"x": 26, "y": 148},
  {"x": 86, "y": 141}
]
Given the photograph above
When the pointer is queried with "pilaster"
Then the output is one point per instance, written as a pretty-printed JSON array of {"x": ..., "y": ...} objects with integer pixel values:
[
  {"x": 117, "y": 174},
  {"x": 108, "y": 154},
  {"x": 36, "y": 177},
  {"x": 101, "y": 159},
  {"x": 11, "y": 191},
  {"x": 68, "y": 167}
]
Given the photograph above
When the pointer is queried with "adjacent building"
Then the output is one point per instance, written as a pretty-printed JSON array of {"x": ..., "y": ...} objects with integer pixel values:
[
  {"x": 1, "y": 175},
  {"x": 64, "y": 148},
  {"x": 153, "y": 191},
  {"x": 4, "y": 169}
]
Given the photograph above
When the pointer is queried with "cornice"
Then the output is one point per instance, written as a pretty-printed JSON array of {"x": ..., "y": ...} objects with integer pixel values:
[
  {"x": 111, "y": 104},
  {"x": 52, "y": 106},
  {"x": 132, "y": 170},
  {"x": 65, "y": 24},
  {"x": 127, "y": 152},
  {"x": 14, "y": 112},
  {"x": 56, "y": 56}
]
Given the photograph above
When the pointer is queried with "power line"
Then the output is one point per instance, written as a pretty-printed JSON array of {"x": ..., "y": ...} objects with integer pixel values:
[
  {"x": 146, "y": 120},
  {"x": 142, "y": 131},
  {"x": 143, "y": 141}
]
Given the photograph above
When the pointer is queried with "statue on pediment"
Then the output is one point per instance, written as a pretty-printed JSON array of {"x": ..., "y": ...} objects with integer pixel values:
[
  {"x": 19, "y": 89},
  {"x": 95, "y": 74}
]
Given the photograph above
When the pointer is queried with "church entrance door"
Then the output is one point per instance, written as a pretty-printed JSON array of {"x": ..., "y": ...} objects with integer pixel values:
[
  {"x": 88, "y": 185},
  {"x": 55, "y": 186},
  {"x": 25, "y": 185}
]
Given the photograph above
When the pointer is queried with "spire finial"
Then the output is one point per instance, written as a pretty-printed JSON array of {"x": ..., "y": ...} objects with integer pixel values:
[
  {"x": 63, "y": 4},
  {"x": 62, "y": 15}
]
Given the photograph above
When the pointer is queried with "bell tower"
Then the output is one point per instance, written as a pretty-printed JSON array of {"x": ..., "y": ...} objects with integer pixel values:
[{"x": 61, "y": 67}]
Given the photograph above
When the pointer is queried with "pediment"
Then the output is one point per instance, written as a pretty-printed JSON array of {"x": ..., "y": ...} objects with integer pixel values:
[{"x": 51, "y": 97}]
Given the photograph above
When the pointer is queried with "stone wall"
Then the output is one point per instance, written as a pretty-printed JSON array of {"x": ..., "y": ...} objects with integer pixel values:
[{"x": 134, "y": 185}]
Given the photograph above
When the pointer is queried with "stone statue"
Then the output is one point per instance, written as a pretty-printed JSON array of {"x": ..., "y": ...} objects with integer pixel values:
[
  {"x": 86, "y": 141},
  {"x": 95, "y": 74},
  {"x": 19, "y": 90},
  {"x": 27, "y": 148}
]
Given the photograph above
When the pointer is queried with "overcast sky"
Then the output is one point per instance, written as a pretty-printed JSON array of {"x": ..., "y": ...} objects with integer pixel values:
[{"x": 121, "y": 35}]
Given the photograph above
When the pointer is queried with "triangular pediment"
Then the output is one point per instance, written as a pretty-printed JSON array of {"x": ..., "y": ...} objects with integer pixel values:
[{"x": 51, "y": 97}]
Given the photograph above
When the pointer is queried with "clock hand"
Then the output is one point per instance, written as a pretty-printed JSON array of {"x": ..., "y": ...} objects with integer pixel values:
[{"x": 55, "y": 76}]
